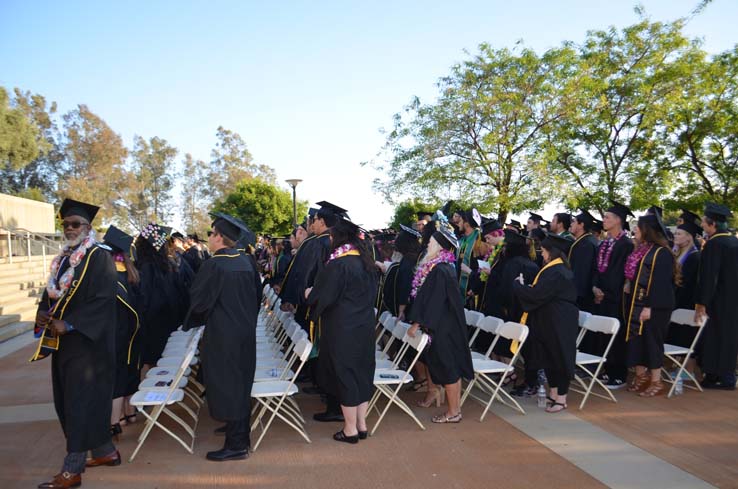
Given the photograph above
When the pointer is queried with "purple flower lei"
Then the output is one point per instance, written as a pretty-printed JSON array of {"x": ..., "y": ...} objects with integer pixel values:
[{"x": 444, "y": 256}]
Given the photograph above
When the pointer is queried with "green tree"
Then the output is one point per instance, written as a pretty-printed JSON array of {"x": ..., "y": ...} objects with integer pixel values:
[
  {"x": 606, "y": 147},
  {"x": 406, "y": 212},
  {"x": 701, "y": 132},
  {"x": 94, "y": 157},
  {"x": 153, "y": 175},
  {"x": 19, "y": 140},
  {"x": 481, "y": 141},
  {"x": 193, "y": 202},
  {"x": 231, "y": 162},
  {"x": 264, "y": 207}
]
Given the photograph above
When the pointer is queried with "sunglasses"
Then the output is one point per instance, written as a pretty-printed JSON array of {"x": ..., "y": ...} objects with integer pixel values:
[
  {"x": 210, "y": 233},
  {"x": 73, "y": 224}
]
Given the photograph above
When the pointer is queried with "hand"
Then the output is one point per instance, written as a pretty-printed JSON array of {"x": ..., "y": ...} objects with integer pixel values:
[
  {"x": 465, "y": 268},
  {"x": 380, "y": 265},
  {"x": 413, "y": 330},
  {"x": 645, "y": 314},
  {"x": 277, "y": 289},
  {"x": 286, "y": 307},
  {"x": 519, "y": 279},
  {"x": 598, "y": 295},
  {"x": 307, "y": 292},
  {"x": 700, "y": 313},
  {"x": 58, "y": 326},
  {"x": 42, "y": 318}
]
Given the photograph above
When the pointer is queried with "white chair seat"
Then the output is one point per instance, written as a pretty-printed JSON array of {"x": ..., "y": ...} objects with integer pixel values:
[
  {"x": 587, "y": 359},
  {"x": 266, "y": 375},
  {"x": 150, "y": 383},
  {"x": 478, "y": 356},
  {"x": 146, "y": 397},
  {"x": 490, "y": 366},
  {"x": 166, "y": 371},
  {"x": 270, "y": 363},
  {"x": 384, "y": 365},
  {"x": 386, "y": 381},
  {"x": 675, "y": 350},
  {"x": 174, "y": 361},
  {"x": 273, "y": 388}
]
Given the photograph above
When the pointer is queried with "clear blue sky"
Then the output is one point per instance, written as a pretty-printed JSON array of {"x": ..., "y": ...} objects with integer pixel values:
[{"x": 307, "y": 84}]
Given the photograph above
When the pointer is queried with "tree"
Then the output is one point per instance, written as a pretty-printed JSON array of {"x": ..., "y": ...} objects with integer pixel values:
[
  {"x": 264, "y": 207},
  {"x": 406, "y": 212},
  {"x": 232, "y": 162},
  {"x": 153, "y": 179},
  {"x": 93, "y": 169},
  {"x": 481, "y": 141},
  {"x": 19, "y": 140},
  {"x": 193, "y": 199},
  {"x": 701, "y": 132},
  {"x": 606, "y": 147}
]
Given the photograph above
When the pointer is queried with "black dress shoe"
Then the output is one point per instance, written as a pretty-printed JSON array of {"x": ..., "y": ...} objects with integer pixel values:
[
  {"x": 718, "y": 386},
  {"x": 220, "y": 431},
  {"x": 328, "y": 417},
  {"x": 363, "y": 435},
  {"x": 226, "y": 454},
  {"x": 341, "y": 436}
]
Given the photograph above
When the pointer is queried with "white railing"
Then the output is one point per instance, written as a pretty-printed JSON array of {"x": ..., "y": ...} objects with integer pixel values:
[{"x": 18, "y": 243}]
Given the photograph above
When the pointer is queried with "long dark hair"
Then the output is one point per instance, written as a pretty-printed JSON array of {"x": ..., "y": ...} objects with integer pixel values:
[
  {"x": 286, "y": 247},
  {"x": 408, "y": 245},
  {"x": 650, "y": 235},
  {"x": 555, "y": 253},
  {"x": 145, "y": 253},
  {"x": 344, "y": 233}
]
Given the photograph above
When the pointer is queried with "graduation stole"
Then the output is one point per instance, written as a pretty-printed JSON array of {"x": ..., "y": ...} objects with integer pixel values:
[
  {"x": 465, "y": 253},
  {"x": 641, "y": 290},
  {"x": 568, "y": 257},
  {"x": 294, "y": 258},
  {"x": 135, "y": 314},
  {"x": 524, "y": 318},
  {"x": 48, "y": 340}
]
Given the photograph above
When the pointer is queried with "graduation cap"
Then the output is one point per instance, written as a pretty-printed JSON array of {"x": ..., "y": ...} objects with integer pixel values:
[
  {"x": 232, "y": 227},
  {"x": 654, "y": 222},
  {"x": 537, "y": 233},
  {"x": 553, "y": 240},
  {"x": 76, "y": 208},
  {"x": 691, "y": 227},
  {"x": 717, "y": 212},
  {"x": 155, "y": 234},
  {"x": 515, "y": 224},
  {"x": 491, "y": 226},
  {"x": 473, "y": 217},
  {"x": 410, "y": 230},
  {"x": 585, "y": 218},
  {"x": 654, "y": 209},
  {"x": 622, "y": 211},
  {"x": 118, "y": 240},
  {"x": 537, "y": 218},
  {"x": 514, "y": 237},
  {"x": 332, "y": 208},
  {"x": 689, "y": 216},
  {"x": 447, "y": 207},
  {"x": 423, "y": 214},
  {"x": 597, "y": 226},
  {"x": 446, "y": 238},
  {"x": 178, "y": 235},
  {"x": 311, "y": 213}
]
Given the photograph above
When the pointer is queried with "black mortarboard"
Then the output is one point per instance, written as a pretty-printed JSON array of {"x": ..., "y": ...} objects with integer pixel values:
[
  {"x": 76, "y": 208},
  {"x": 410, "y": 230},
  {"x": 535, "y": 217},
  {"x": 312, "y": 211},
  {"x": 490, "y": 226},
  {"x": 118, "y": 240},
  {"x": 654, "y": 209},
  {"x": 537, "y": 233},
  {"x": 717, "y": 212},
  {"x": 654, "y": 222},
  {"x": 472, "y": 217},
  {"x": 687, "y": 215},
  {"x": 156, "y": 235},
  {"x": 332, "y": 208},
  {"x": 178, "y": 235},
  {"x": 585, "y": 218},
  {"x": 515, "y": 223},
  {"x": 597, "y": 226},
  {"x": 553, "y": 240},
  {"x": 446, "y": 238},
  {"x": 622, "y": 212},
  {"x": 447, "y": 207},
  {"x": 423, "y": 214},
  {"x": 232, "y": 227},
  {"x": 691, "y": 227},
  {"x": 513, "y": 237}
]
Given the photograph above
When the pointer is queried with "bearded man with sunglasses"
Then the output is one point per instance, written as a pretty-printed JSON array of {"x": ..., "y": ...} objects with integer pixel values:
[{"x": 77, "y": 312}]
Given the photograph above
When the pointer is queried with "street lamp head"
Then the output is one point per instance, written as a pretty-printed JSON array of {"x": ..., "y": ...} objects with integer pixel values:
[{"x": 293, "y": 182}]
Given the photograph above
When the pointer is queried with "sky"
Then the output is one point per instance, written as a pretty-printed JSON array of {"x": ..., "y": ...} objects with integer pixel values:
[{"x": 308, "y": 85}]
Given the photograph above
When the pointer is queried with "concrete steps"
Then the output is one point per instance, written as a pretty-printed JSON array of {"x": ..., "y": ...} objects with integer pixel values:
[
  {"x": 15, "y": 329},
  {"x": 21, "y": 287}
]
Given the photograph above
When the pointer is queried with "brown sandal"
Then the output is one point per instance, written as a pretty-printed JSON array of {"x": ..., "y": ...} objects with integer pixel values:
[
  {"x": 655, "y": 389},
  {"x": 639, "y": 383},
  {"x": 442, "y": 418}
]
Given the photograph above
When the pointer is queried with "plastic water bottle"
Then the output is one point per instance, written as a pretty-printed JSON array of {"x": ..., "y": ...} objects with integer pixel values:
[
  {"x": 679, "y": 389},
  {"x": 541, "y": 389}
]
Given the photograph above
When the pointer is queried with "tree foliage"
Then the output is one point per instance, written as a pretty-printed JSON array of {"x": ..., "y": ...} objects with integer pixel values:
[
  {"x": 264, "y": 207},
  {"x": 19, "y": 138},
  {"x": 193, "y": 199},
  {"x": 406, "y": 212},
  {"x": 153, "y": 175}
]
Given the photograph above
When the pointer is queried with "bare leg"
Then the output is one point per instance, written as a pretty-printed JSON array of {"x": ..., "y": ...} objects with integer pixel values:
[
  {"x": 117, "y": 411},
  {"x": 655, "y": 374},
  {"x": 349, "y": 417},
  {"x": 453, "y": 396},
  {"x": 361, "y": 410}
]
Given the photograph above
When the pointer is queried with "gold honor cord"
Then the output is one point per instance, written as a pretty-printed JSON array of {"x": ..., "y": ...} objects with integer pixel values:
[
  {"x": 634, "y": 291},
  {"x": 294, "y": 258},
  {"x": 130, "y": 343},
  {"x": 524, "y": 318}
]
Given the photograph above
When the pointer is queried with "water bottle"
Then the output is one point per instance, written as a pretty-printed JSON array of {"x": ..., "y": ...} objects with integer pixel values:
[
  {"x": 541, "y": 396},
  {"x": 679, "y": 388}
]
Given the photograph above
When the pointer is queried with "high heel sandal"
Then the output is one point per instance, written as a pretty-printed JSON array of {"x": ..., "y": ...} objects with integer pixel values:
[
  {"x": 442, "y": 418},
  {"x": 417, "y": 385},
  {"x": 639, "y": 383},
  {"x": 437, "y": 398}
]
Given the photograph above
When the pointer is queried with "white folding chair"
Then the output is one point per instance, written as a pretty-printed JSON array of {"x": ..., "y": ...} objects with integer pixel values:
[
  {"x": 686, "y": 317},
  {"x": 389, "y": 382},
  {"x": 271, "y": 397},
  {"x": 473, "y": 319},
  {"x": 486, "y": 369},
  {"x": 399, "y": 332},
  {"x": 161, "y": 398},
  {"x": 595, "y": 324},
  {"x": 491, "y": 325}
]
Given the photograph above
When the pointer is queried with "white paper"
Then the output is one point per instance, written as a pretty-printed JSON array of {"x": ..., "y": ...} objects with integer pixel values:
[
  {"x": 155, "y": 396},
  {"x": 483, "y": 264}
]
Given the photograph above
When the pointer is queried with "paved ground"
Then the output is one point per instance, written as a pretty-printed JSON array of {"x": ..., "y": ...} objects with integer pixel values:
[{"x": 688, "y": 442}]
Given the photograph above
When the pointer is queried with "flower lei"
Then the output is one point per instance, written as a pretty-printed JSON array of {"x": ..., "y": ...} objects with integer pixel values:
[
  {"x": 56, "y": 288},
  {"x": 605, "y": 251},
  {"x": 424, "y": 269},
  {"x": 341, "y": 251},
  {"x": 631, "y": 263},
  {"x": 490, "y": 258}
]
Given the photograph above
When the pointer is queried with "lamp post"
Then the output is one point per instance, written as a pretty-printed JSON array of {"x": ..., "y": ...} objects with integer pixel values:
[{"x": 293, "y": 183}]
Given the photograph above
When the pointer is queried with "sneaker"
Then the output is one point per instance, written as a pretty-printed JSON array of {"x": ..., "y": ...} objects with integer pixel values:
[
  {"x": 615, "y": 384},
  {"x": 524, "y": 391}
]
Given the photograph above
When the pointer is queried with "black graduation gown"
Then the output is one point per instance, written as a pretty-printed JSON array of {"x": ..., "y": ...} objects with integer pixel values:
[
  {"x": 281, "y": 264},
  {"x": 223, "y": 298},
  {"x": 654, "y": 289},
  {"x": 397, "y": 286},
  {"x": 490, "y": 304},
  {"x": 511, "y": 308},
  {"x": 309, "y": 259},
  {"x": 194, "y": 258},
  {"x": 685, "y": 294},
  {"x": 553, "y": 319},
  {"x": 717, "y": 290},
  {"x": 83, "y": 368},
  {"x": 342, "y": 298},
  {"x": 161, "y": 308},
  {"x": 439, "y": 310},
  {"x": 127, "y": 327},
  {"x": 583, "y": 262}
]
